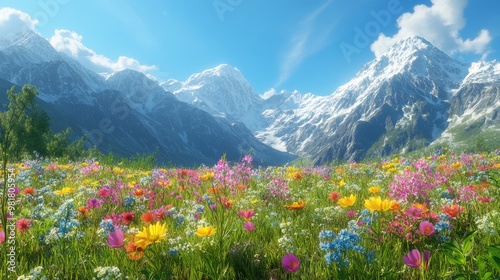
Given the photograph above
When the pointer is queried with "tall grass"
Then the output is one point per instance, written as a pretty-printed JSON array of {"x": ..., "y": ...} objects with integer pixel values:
[{"x": 72, "y": 208}]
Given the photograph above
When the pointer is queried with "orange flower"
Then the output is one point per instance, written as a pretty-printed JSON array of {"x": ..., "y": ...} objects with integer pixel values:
[
  {"x": 148, "y": 217},
  {"x": 215, "y": 190},
  {"x": 84, "y": 211},
  {"x": 296, "y": 205},
  {"x": 139, "y": 192},
  {"x": 30, "y": 191},
  {"x": 135, "y": 252},
  {"x": 422, "y": 207},
  {"x": 452, "y": 210}
]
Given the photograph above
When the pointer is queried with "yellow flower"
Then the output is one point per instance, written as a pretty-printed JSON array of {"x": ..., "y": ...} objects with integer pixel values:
[
  {"x": 347, "y": 201},
  {"x": 64, "y": 190},
  {"x": 296, "y": 205},
  {"x": 374, "y": 189},
  {"x": 377, "y": 204},
  {"x": 205, "y": 231},
  {"x": 151, "y": 234},
  {"x": 207, "y": 176}
]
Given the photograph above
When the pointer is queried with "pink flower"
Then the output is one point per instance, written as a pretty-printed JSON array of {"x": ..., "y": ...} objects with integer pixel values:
[
  {"x": 104, "y": 192},
  {"x": 249, "y": 226},
  {"x": 414, "y": 259},
  {"x": 426, "y": 228},
  {"x": 290, "y": 263},
  {"x": 246, "y": 214},
  {"x": 116, "y": 239},
  {"x": 2, "y": 237}
]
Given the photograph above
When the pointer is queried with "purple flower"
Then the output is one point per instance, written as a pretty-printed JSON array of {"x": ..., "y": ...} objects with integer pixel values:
[
  {"x": 94, "y": 203},
  {"x": 290, "y": 263},
  {"x": 249, "y": 226},
  {"x": 414, "y": 259},
  {"x": 116, "y": 239}
]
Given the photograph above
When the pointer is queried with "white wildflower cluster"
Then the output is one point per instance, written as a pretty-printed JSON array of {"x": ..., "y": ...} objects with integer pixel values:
[
  {"x": 178, "y": 244},
  {"x": 328, "y": 214},
  {"x": 352, "y": 188},
  {"x": 486, "y": 223},
  {"x": 107, "y": 272},
  {"x": 286, "y": 240},
  {"x": 35, "y": 274}
]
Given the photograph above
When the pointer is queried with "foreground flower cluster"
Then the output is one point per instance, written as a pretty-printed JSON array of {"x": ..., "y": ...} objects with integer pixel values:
[{"x": 401, "y": 218}]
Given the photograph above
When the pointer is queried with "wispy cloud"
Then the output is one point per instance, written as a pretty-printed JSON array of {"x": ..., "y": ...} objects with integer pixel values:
[
  {"x": 308, "y": 39},
  {"x": 440, "y": 24}
]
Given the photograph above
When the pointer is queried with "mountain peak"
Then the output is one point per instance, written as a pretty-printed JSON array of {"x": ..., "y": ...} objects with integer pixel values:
[
  {"x": 412, "y": 46},
  {"x": 221, "y": 71},
  {"x": 38, "y": 46}
]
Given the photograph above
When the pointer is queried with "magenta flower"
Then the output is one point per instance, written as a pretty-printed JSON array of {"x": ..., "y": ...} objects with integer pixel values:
[
  {"x": 116, "y": 239},
  {"x": 2, "y": 237},
  {"x": 94, "y": 203},
  {"x": 290, "y": 263},
  {"x": 414, "y": 259},
  {"x": 249, "y": 226},
  {"x": 426, "y": 228}
]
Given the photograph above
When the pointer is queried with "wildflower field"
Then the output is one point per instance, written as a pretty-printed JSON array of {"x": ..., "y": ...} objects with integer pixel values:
[{"x": 435, "y": 217}]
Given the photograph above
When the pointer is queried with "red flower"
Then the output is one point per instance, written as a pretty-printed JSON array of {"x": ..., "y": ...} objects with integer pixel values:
[
  {"x": 127, "y": 218},
  {"x": 484, "y": 199},
  {"x": 334, "y": 196},
  {"x": 23, "y": 225}
]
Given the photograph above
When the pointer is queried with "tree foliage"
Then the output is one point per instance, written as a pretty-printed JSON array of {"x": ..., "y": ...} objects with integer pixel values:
[{"x": 25, "y": 128}]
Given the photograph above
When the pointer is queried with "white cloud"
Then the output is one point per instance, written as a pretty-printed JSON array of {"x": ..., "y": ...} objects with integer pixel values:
[
  {"x": 71, "y": 43},
  {"x": 13, "y": 21},
  {"x": 440, "y": 24},
  {"x": 308, "y": 40}
]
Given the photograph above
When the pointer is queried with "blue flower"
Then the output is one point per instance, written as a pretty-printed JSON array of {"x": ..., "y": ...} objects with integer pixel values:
[
  {"x": 442, "y": 225},
  {"x": 128, "y": 201}
]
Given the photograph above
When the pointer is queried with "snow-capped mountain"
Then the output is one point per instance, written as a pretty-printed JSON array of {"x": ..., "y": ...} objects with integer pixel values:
[
  {"x": 410, "y": 97},
  {"x": 127, "y": 113},
  {"x": 400, "y": 101},
  {"x": 220, "y": 91}
]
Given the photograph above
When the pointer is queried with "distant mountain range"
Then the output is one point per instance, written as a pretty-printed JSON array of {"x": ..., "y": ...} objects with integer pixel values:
[
  {"x": 126, "y": 113},
  {"x": 411, "y": 97}
]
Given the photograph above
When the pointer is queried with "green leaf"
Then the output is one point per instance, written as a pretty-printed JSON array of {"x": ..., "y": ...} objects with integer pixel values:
[
  {"x": 494, "y": 250},
  {"x": 459, "y": 277},
  {"x": 486, "y": 276},
  {"x": 495, "y": 261},
  {"x": 467, "y": 243}
]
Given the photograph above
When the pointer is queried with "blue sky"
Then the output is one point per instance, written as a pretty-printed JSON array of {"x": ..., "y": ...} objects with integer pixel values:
[{"x": 309, "y": 46}]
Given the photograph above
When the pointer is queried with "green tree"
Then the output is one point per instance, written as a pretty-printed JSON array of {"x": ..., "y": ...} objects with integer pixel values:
[
  {"x": 24, "y": 127},
  {"x": 12, "y": 124}
]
